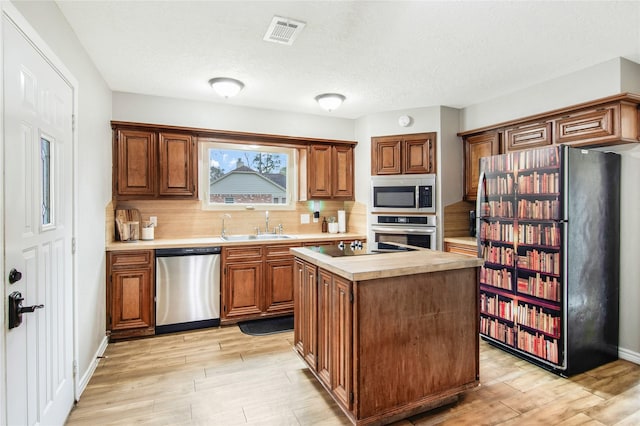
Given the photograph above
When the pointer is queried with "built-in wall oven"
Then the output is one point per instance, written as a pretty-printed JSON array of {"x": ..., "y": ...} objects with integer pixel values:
[{"x": 415, "y": 230}]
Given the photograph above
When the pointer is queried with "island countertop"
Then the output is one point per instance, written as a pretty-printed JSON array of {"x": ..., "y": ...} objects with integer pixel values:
[{"x": 385, "y": 265}]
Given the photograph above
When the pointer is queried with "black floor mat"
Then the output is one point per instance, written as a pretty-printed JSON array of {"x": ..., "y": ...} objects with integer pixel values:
[{"x": 267, "y": 326}]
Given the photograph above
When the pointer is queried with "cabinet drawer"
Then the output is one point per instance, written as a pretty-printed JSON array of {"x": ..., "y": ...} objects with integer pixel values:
[
  {"x": 467, "y": 250},
  {"x": 280, "y": 250},
  {"x": 528, "y": 136},
  {"x": 133, "y": 258},
  {"x": 588, "y": 126},
  {"x": 242, "y": 253}
]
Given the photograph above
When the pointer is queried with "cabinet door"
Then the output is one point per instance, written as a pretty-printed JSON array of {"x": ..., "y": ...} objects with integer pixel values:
[
  {"x": 385, "y": 155},
  {"x": 476, "y": 147},
  {"x": 242, "y": 289},
  {"x": 589, "y": 127},
  {"x": 177, "y": 165},
  {"x": 310, "y": 312},
  {"x": 526, "y": 136},
  {"x": 130, "y": 293},
  {"x": 324, "y": 326},
  {"x": 419, "y": 153},
  {"x": 319, "y": 168},
  {"x": 341, "y": 362},
  {"x": 342, "y": 172},
  {"x": 135, "y": 155},
  {"x": 299, "y": 311},
  {"x": 279, "y": 285},
  {"x": 132, "y": 300}
]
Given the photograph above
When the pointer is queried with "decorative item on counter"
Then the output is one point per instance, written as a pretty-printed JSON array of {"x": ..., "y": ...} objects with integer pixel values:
[
  {"x": 131, "y": 232},
  {"x": 333, "y": 225},
  {"x": 324, "y": 224},
  {"x": 147, "y": 230},
  {"x": 342, "y": 222},
  {"x": 127, "y": 224}
]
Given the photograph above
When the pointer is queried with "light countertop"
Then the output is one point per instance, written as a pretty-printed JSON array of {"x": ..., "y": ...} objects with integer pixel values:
[
  {"x": 385, "y": 265},
  {"x": 217, "y": 241}
]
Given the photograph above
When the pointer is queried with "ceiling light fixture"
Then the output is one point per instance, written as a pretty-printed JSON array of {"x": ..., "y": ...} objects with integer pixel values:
[
  {"x": 226, "y": 87},
  {"x": 330, "y": 101}
]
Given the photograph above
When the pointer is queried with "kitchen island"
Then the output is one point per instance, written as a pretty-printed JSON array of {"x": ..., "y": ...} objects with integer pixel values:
[{"x": 388, "y": 335}]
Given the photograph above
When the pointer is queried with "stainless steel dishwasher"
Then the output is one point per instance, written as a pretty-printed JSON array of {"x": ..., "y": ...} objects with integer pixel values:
[{"x": 187, "y": 288}]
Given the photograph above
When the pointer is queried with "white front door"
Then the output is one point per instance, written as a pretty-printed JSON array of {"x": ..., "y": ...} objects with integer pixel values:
[{"x": 38, "y": 201}]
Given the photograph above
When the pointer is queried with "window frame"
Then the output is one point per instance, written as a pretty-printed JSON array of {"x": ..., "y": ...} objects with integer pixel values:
[
  {"x": 203, "y": 175},
  {"x": 52, "y": 183}
]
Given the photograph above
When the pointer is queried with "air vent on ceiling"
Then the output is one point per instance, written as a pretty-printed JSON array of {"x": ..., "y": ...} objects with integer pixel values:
[{"x": 283, "y": 30}]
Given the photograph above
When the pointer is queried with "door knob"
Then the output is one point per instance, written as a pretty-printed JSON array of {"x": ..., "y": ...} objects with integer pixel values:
[
  {"x": 14, "y": 276},
  {"x": 16, "y": 309}
]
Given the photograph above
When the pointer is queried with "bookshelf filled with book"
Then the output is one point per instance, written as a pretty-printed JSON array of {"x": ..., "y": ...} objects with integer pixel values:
[{"x": 526, "y": 286}]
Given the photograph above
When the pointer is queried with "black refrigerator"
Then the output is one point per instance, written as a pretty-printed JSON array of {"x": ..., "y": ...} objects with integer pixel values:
[{"x": 549, "y": 232}]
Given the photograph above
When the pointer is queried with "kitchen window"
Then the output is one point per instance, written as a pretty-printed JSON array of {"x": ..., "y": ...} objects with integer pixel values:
[{"x": 234, "y": 176}]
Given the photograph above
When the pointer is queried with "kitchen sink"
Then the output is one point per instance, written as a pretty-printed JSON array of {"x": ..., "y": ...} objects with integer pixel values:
[{"x": 257, "y": 237}]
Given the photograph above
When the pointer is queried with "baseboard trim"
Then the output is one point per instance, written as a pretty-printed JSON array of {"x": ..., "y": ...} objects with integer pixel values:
[
  {"x": 84, "y": 380},
  {"x": 628, "y": 355}
]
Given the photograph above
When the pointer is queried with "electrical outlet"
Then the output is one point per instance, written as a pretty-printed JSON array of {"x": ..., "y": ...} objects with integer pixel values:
[
  {"x": 304, "y": 218},
  {"x": 153, "y": 220}
]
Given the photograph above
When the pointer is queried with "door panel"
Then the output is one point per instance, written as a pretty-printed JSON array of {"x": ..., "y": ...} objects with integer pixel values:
[
  {"x": 38, "y": 231},
  {"x": 342, "y": 322}
]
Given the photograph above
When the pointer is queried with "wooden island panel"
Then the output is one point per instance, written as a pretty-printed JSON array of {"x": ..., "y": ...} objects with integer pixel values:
[
  {"x": 392, "y": 343},
  {"x": 418, "y": 341}
]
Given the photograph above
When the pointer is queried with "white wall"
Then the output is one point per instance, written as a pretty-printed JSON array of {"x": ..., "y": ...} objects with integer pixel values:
[
  {"x": 221, "y": 116},
  {"x": 94, "y": 159},
  {"x": 629, "y": 249},
  {"x": 609, "y": 78},
  {"x": 629, "y": 76},
  {"x": 595, "y": 82},
  {"x": 451, "y": 156}
]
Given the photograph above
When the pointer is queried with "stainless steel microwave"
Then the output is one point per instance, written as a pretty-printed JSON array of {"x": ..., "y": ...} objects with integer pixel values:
[{"x": 403, "y": 193}]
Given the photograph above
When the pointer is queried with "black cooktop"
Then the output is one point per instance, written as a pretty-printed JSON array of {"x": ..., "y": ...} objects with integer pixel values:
[{"x": 342, "y": 250}]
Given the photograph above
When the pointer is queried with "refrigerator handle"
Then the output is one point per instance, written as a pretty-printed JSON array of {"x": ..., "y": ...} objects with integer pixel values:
[{"x": 481, "y": 179}]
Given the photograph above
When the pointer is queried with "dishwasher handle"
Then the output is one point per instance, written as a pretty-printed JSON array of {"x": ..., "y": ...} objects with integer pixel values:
[{"x": 187, "y": 251}]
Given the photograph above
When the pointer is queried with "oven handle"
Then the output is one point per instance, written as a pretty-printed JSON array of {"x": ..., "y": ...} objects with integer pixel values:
[{"x": 390, "y": 230}]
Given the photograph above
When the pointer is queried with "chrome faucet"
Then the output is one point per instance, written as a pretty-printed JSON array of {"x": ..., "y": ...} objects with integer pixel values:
[
  {"x": 223, "y": 233},
  {"x": 266, "y": 220}
]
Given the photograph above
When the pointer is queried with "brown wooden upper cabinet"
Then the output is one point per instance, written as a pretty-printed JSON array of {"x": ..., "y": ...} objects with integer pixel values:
[
  {"x": 476, "y": 147},
  {"x": 330, "y": 171},
  {"x": 178, "y": 165},
  {"x": 612, "y": 123},
  {"x": 403, "y": 154},
  {"x": 526, "y": 136},
  {"x": 607, "y": 121},
  {"x": 149, "y": 164}
]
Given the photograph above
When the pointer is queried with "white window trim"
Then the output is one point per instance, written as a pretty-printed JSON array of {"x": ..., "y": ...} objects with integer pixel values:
[{"x": 203, "y": 177}]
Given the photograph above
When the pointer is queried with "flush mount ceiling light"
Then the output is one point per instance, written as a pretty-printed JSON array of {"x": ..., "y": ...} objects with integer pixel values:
[
  {"x": 226, "y": 87},
  {"x": 330, "y": 101}
]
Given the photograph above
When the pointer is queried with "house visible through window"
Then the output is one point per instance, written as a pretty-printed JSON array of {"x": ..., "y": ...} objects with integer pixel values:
[{"x": 247, "y": 175}]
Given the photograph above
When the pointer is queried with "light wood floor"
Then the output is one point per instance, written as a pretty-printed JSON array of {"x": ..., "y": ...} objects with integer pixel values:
[{"x": 223, "y": 377}]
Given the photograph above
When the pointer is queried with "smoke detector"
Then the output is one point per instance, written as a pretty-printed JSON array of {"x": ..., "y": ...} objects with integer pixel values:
[{"x": 283, "y": 30}]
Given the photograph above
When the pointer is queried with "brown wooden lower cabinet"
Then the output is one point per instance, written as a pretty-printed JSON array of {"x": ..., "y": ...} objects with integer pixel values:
[
  {"x": 306, "y": 311},
  {"x": 130, "y": 292},
  {"x": 257, "y": 281},
  {"x": 388, "y": 348}
]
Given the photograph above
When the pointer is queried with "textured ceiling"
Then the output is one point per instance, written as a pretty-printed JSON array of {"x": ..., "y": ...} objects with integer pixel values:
[{"x": 383, "y": 55}]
